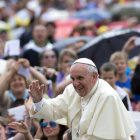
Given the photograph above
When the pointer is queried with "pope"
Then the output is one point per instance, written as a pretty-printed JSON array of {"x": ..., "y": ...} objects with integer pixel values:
[{"x": 89, "y": 106}]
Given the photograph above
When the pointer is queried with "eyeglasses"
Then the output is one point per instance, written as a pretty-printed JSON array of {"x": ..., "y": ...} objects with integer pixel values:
[
  {"x": 69, "y": 61},
  {"x": 45, "y": 124},
  {"x": 49, "y": 56}
]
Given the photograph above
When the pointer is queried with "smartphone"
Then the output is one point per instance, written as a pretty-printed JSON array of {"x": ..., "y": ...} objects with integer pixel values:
[{"x": 137, "y": 41}]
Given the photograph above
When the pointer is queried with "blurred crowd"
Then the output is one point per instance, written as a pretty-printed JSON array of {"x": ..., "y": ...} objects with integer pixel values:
[{"x": 42, "y": 27}]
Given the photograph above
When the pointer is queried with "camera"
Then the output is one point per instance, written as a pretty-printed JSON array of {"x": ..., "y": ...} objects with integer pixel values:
[
  {"x": 41, "y": 69},
  {"x": 137, "y": 41}
]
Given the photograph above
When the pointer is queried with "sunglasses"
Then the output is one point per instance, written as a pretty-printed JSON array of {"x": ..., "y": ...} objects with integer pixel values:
[
  {"x": 49, "y": 56},
  {"x": 45, "y": 124}
]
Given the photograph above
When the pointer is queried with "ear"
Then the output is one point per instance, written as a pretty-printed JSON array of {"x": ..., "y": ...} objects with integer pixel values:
[{"x": 95, "y": 75}]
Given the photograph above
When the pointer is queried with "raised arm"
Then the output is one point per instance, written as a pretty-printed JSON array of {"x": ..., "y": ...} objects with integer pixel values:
[
  {"x": 34, "y": 73},
  {"x": 38, "y": 75},
  {"x": 36, "y": 91},
  {"x": 129, "y": 45},
  {"x": 11, "y": 69},
  {"x": 21, "y": 127}
]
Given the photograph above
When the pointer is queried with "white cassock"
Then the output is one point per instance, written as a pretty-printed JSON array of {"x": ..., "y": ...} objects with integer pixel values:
[{"x": 100, "y": 115}]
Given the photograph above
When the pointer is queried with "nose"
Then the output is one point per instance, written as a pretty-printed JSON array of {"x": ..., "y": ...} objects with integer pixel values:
[
  {"x": 75, "y": 83},
  {"x": 119, "y": 65},
  {"x": 48, "y": 125}
]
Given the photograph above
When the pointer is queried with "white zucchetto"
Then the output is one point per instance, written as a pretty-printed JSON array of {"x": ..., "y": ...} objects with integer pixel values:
[{"x": 85, "y": 61}]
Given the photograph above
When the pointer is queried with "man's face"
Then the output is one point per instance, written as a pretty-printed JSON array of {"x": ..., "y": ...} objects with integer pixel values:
[
  {"x": 109, "y": 77},
  {"x": 40, "y": 33},
  {"x": 82, "y": 80}
]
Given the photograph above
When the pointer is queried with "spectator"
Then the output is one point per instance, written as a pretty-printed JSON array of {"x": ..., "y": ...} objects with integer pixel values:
[
  {"x": 108, "y": 72},
  {"x": 48, "y": 68},
  {"x": 37, "y": 46},
  {"x": 49, "y": 130},
  {"x": 51, "y": 28},
  {"x": 65, "y": 60},
  {"x": 14, "y": 84},
  {"x": 49, "y": 59},
  {"x": 129, "y": 46},
  {"x": 121, "y": 61},
  {"x": 135, "y": 82},
  {"x": 22, "y": 129}
]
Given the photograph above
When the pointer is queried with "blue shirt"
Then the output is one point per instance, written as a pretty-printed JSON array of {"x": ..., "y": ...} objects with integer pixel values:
[{"x": 126, "y": 84}]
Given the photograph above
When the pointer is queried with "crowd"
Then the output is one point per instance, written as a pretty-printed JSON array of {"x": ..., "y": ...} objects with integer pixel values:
[{"x": 31, "y": 22}]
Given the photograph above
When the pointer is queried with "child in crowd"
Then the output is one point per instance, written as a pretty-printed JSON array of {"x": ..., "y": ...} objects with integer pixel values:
[
  {"x": 120, "y": 60},
  {"x": 108, "y": 72}
]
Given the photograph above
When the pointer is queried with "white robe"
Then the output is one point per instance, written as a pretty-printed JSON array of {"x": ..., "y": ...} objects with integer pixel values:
[{"x": 100, "y": 115}]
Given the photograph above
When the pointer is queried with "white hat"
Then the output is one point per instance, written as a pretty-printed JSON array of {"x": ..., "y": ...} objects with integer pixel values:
[
  {"x": 85, "y": 61},
  {"x": 2, "y": 4}
]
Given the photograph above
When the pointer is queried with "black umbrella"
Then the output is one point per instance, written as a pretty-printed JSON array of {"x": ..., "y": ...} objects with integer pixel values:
[{"x": 100, "y": 48}]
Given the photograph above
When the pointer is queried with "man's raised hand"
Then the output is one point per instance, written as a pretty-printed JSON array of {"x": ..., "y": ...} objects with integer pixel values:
[{"x": 36, "y": 91}]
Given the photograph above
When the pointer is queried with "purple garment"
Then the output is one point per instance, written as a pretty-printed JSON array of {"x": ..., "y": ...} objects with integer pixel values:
[
  {"x": 59, "y": 77},
  {"x": 50, "y": 93}
]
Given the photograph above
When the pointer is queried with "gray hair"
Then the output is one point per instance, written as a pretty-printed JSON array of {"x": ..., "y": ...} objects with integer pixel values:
[{"x": 91, "y": 69}]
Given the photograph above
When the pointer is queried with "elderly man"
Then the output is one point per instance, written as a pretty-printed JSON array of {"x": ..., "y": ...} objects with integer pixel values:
[{"x": 90, "y": 106}]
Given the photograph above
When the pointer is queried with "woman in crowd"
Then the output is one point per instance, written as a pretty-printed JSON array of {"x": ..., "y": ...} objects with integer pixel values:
[
  {"x": 49, "y": 130},
  {"x": 13, "y": 83},
  {"x": 48, "y": 63},
  {"x": 66, "y": 58}
]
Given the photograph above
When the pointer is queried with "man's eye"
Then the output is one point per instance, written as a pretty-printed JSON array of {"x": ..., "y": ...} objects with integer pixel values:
[
  {"x": 72, "y": 79},
  {"x": 80, "y": 78}
]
